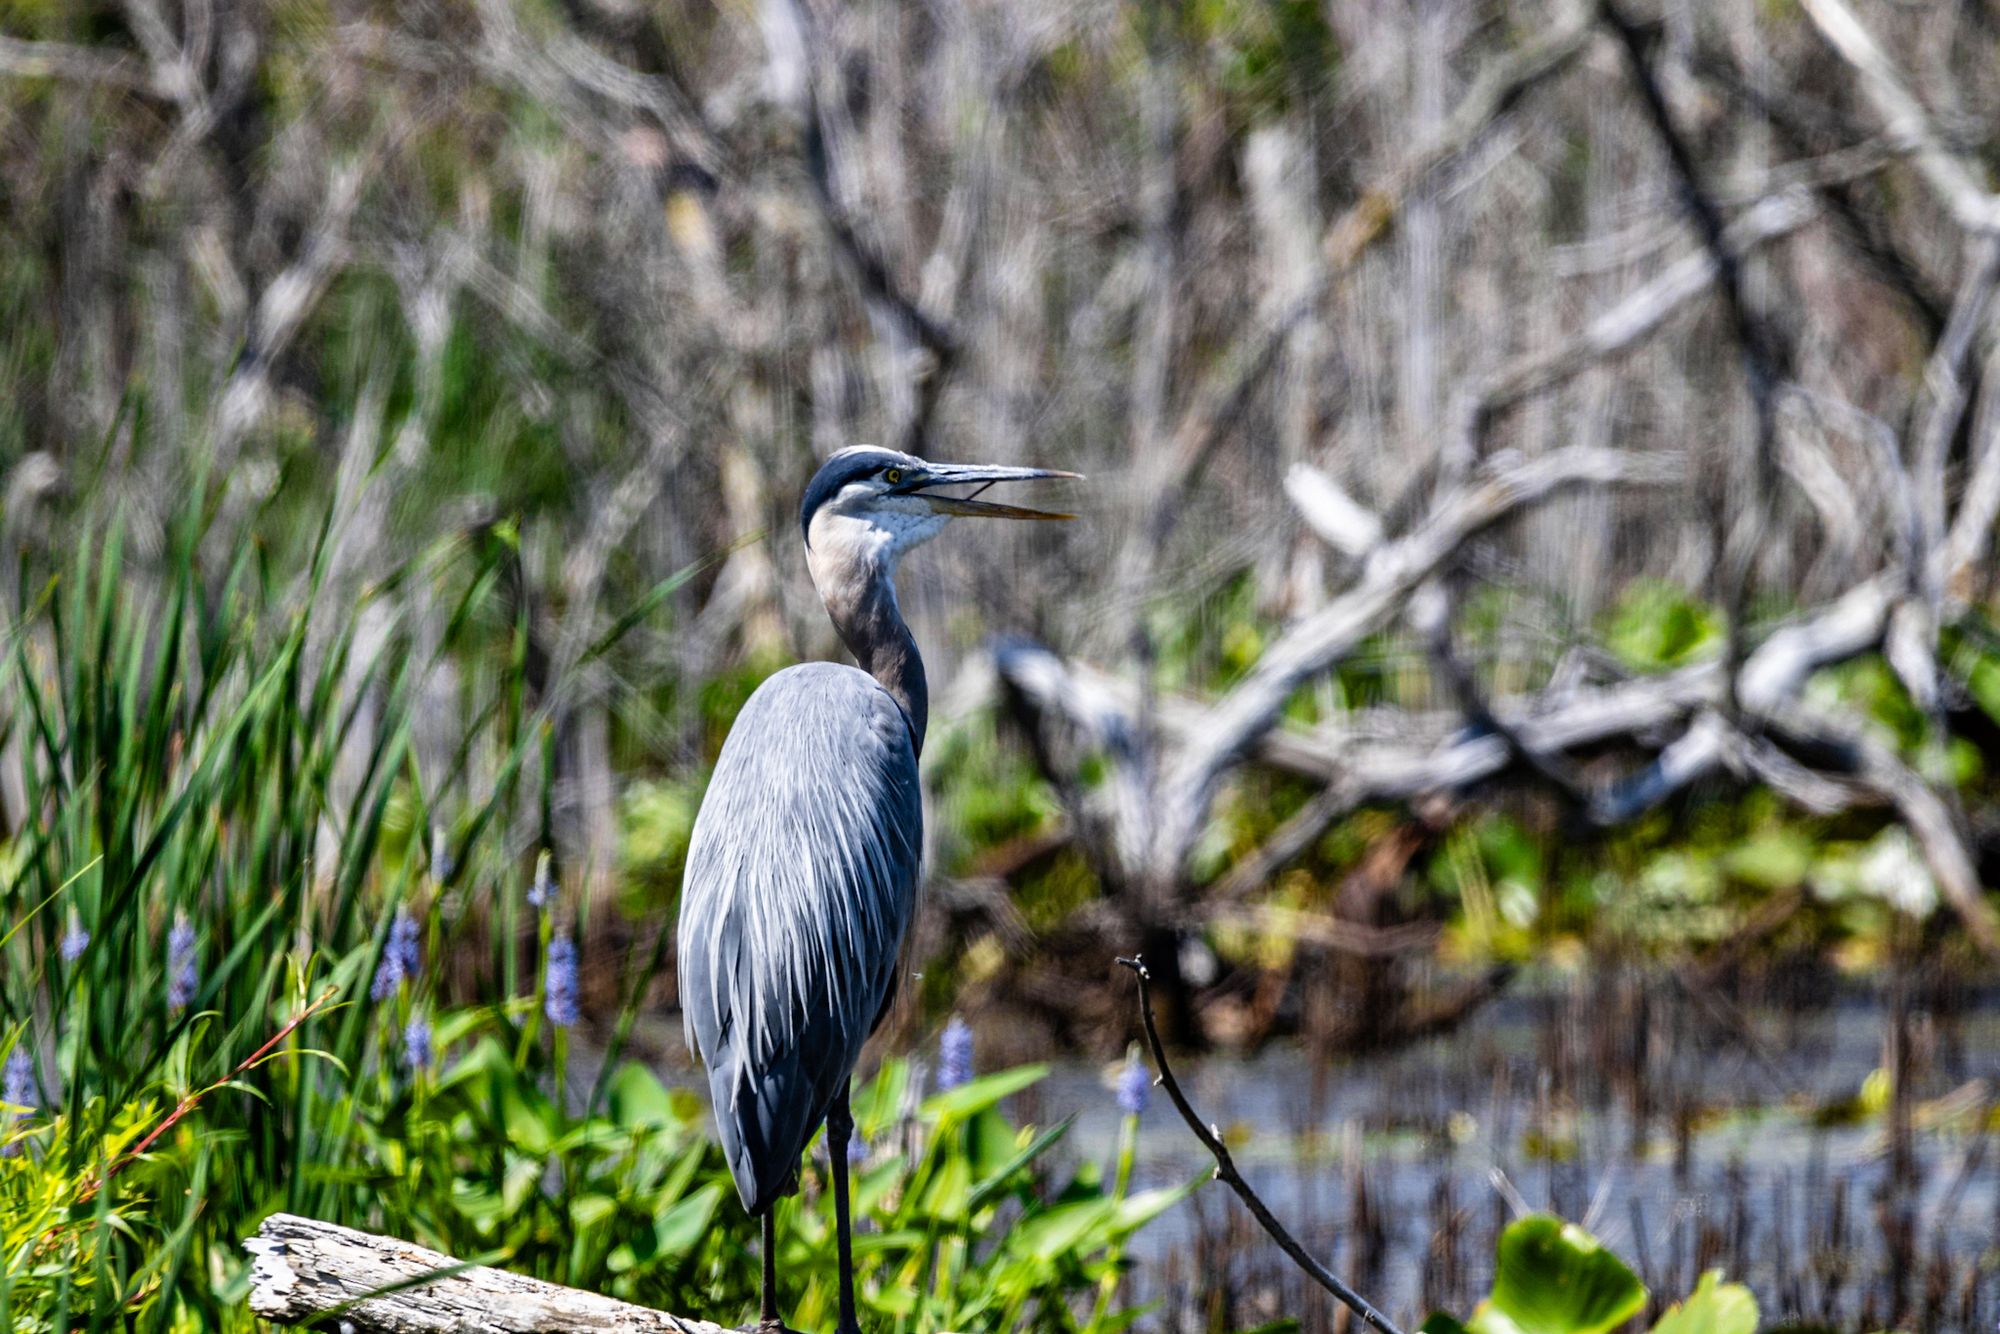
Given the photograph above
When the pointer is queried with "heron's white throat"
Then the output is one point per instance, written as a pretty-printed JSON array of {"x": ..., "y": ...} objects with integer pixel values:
[{"x": 863, "y": 528}]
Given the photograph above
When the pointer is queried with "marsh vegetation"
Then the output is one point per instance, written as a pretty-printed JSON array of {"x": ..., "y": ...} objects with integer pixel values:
[{"x": 1526, "y": 677}]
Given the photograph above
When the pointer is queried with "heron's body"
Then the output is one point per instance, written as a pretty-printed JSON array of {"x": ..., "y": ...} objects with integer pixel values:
[
  {"x": 802, "y": 873},
  {"x": 801, "y": 881}
]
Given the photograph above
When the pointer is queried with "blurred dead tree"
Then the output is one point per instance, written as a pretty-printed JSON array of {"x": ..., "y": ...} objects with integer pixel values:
[{"x": 1375, "y": 305}]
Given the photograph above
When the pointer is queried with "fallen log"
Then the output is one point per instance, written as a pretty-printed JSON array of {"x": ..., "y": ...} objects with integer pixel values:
[{"x": 308, "y": 1272}]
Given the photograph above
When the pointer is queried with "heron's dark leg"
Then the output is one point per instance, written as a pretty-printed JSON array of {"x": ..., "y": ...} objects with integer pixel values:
[
  {"x": 839, "y": 1130},
  {"x": 770, "y": 1323}
]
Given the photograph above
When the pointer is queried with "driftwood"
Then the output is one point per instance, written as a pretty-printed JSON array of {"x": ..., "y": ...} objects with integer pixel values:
[{"x": 308, "y": 1272}]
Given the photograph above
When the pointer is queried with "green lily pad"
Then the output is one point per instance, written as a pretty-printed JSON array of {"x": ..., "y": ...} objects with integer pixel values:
[{"x": 1554, "y": 1278}]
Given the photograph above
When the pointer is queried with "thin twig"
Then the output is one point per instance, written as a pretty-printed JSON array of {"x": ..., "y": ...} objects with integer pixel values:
[{"x": 1225, "y": 1167}]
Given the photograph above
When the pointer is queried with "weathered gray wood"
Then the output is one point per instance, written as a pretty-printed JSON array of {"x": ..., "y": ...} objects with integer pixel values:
[{"x": 305, "y": 1270}]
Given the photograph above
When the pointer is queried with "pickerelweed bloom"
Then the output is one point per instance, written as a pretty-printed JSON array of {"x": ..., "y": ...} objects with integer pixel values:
[
  {"x": 402, "y": 957},
  {"x": 954, "y": 1054},
  {"x": 542, "y": 889},
  {"x": 1135, "y": 1086},
  {"x": 403, "y": 943},
  {"x": 183, "y": 970},
  {"x": 559, "y": 1003},
  {"x": 417, "y": 1054},
  {"x": 18, "y": 1087},
  {"x": 75, "y": 939}
]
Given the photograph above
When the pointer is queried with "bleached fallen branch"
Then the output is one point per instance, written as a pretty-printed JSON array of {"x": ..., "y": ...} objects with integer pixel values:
[
  {"x": 1393, "y": 572},
  {"x": 308, "y": 1272},
  {"x": 1337, "y": 518},
  {"x": 1676, "y": 717},
  {"x": 1216, "y": 403}
]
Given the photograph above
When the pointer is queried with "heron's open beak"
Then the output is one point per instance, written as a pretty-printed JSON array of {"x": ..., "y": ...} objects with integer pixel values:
[{"x": 982, "y": 475}]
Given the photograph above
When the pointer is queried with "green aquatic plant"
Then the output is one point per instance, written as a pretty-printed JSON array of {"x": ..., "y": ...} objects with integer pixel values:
[
  {"x": 1552, "y": 1277},
  {"x": 248, "y": 965}
]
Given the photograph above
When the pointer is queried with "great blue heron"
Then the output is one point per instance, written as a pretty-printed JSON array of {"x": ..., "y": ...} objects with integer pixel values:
[{"x": 802, "y": 872}]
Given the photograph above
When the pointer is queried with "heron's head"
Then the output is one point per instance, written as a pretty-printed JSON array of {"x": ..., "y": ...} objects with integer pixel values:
[{"x": 866, "y": 505}]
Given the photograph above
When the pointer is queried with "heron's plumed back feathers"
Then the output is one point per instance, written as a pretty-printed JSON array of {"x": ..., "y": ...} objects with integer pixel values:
[{"x": 801, "y": 882}]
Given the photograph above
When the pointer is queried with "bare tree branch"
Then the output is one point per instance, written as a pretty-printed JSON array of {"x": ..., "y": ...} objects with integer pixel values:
[
  {"x": 1391, "y": 575},
  {"x": 1225, "y": 1169},
  {"x": 1973, "y": 207},
  {"x": 1644, "y": 310},
  {"x": 1499, "y": 87}
]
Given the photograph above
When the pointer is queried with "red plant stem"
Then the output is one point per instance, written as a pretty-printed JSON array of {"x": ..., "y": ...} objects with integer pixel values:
[{"x": 192, "y": 1100}]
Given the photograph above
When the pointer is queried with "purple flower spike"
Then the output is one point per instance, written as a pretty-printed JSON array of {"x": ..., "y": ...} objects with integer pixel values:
[
  {"x": 183, "y": 970},
  {"x": 417, "y": 1053},
  {"x": 402, "y": 957},
  {"x": 559, "y": 1004},
  {"x": 75, "y": 939},
  {"x": 17, "y": 1086},
  {"x": 1135, "y": 1086},
  {"x": 403, "y": 944},
  {"x": 857, "y": 1148},
  {"x": 954, "y": 1055}
]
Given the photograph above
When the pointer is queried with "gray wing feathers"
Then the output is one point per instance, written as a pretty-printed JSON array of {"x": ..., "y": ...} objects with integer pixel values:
[{"x": 801, "y": 881}]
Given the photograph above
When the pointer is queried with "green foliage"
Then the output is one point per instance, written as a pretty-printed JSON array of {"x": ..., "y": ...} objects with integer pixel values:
[
  {"x": 1264, "y": 56},
  {"x": 1656, "y": 626},
  {"x": 1553, "y": 1277},
  {"x": 1496, "y": 870},
  {"x": 188, "y": 760},
  {"x": 991, "y": 790},
  {"x": 655, "y": 822},
  {"x": 1715, "y": 1308}
]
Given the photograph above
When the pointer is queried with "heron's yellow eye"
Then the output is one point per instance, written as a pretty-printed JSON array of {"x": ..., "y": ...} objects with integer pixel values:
[{"x": 893, "y": 476}]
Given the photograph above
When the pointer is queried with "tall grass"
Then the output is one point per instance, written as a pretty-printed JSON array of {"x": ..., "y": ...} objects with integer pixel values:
[
  {"x": 207, "y": 751},
  {"x": 253, "y": 958}
]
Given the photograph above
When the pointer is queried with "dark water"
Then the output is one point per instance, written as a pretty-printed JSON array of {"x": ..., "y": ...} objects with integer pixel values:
[
  {"x": 1686, "y": 1130},
  {"x": 1687, "y": 1126}
]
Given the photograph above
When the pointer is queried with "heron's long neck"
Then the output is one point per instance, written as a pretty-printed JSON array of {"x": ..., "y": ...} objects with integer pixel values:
[{"x": 864, "y": 611}]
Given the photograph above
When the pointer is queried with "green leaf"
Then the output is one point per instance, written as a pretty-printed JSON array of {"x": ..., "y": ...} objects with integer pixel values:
[
  {"x": 1553, "y": 1278},
  {"x": 681, "y": 1227},
  {"x": 983, "y": 1092},
  {"x": 1135, "y": 1211},
  {"x": 1440, "y": 1323},
  {"x": 1051, "y": 1232},
  {"x": 1983, "y": 682},
  {"x": 945, "y": 1197},
  {"x": 637, "y": 1098},
  {"x": 586, "y": 1211},
  {"x": 1715, "y": 1308},
  {"x": 984, "y": 1192},
  {"x": 1774, "y": 859}
]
